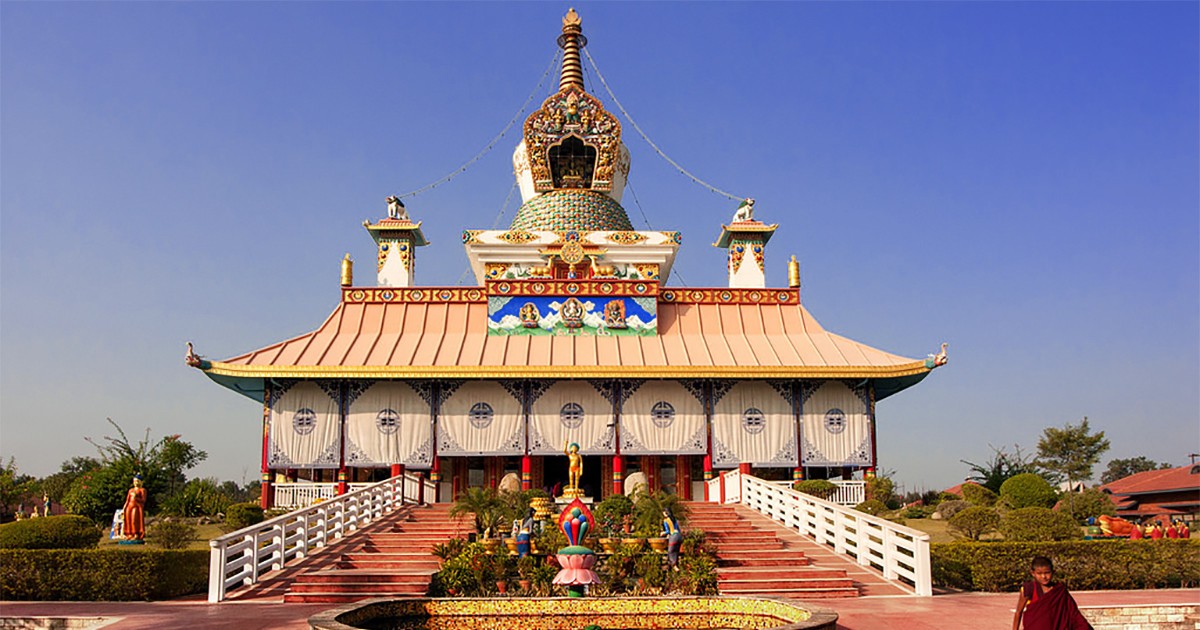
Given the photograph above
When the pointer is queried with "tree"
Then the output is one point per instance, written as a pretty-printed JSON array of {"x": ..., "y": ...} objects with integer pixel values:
[
  {"x": 1001, "y": 467},
  {"x": 13, "y": 486},
  {"x": 57, "y": 485},
  {"x": 1122, "y": 468},
  {"x": 1071, "y": 451}
]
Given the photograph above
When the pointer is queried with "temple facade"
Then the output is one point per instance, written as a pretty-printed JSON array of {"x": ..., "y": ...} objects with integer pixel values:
[{"x": 570, "y": 335}]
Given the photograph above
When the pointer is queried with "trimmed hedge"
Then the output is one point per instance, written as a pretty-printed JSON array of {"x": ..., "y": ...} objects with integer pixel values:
[
  {"x": 976, "y": 494},
  {"x": 1083, "y": 565},
  {"x": 67, "y": 531},
  {"x": 1034, "y": 524},
  {"x": 101, "y": 574},
  {"x": 242, "y": 515},
  {"x": 1027, "y": 490}
]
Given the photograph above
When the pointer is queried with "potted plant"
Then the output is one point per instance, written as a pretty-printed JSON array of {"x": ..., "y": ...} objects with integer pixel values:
[
  {"x": 610, "y": 516},
  {"x": 525, "y": 571},
  {"x": 485, "y": 504}
]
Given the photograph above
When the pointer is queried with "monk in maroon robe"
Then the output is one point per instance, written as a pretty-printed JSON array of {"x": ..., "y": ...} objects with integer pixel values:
[{"x": 1045, "y": 604}]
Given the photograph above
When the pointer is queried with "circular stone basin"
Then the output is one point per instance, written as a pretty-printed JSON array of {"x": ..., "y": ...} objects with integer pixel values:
[{"x": 628, "y": 613}]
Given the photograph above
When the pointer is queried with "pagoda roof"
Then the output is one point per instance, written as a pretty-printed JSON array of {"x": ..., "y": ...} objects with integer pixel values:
[
  {"x": 1184, "y": 478},
  {"x": 443, "y": 333}
]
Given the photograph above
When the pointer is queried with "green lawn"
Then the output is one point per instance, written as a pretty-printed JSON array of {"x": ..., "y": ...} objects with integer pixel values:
[{"x": 204, "y": 533}]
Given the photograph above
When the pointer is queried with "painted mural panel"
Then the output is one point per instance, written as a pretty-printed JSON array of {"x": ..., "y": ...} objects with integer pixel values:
[
  {"x": 753, "y": 423},
  {"x": 387, "y": 423},
  {"x": 663, "y": 417},
  {"x": 571, "y": 411},
  {"x": 482, "y": 418},
  {"x": 304, "y": 425},
  {"x": 572, "y": 315},
  {"x": 835, "y": 425}
]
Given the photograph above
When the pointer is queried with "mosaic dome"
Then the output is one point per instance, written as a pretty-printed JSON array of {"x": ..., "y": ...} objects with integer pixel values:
[{"x": 572, "y": 209}]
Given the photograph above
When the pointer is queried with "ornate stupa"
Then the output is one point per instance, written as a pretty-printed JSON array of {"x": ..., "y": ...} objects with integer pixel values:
[{"x": 570, "y": 335}]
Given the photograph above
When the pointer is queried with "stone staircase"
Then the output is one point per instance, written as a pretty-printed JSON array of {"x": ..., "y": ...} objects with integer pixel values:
[
  {"x": 757, "y": 557},
  {"x": 391, "y": 558}
]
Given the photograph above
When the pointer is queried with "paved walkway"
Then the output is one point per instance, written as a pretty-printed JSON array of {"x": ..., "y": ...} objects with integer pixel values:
[{"x": 968, "y": 611}]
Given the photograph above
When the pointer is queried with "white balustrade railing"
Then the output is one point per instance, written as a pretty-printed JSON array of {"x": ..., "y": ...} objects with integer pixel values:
[
  {"x": 241, "y": 558},
  {"x": 303, "y": 494},
  {"x": 900, "y": 553},
  {"x": 848, "y": 492}
]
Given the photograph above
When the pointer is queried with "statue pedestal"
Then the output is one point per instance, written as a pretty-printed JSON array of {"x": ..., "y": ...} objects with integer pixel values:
[{"x": 567, "y": 498}]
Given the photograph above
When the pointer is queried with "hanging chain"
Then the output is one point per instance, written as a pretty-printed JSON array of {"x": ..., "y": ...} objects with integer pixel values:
[
  {"x": 492, "y": 144},
  {"x": 647, "y": 138}
]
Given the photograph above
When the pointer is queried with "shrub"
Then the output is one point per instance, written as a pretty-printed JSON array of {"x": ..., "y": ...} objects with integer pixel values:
[
  {"x": 880, "y": 489},
  {"x": 97, "y": 494},
  {"x": 949, "y": 508},
  {"x": 101, "y": 574},
  {"x": 874, "y": 507},
  {"x": 975, "y": 521},
  {"x": 948, "y": 496},
  {"x": 1087, "y": 504},
  {"x": 171, "y": 534},
  {"x": 69, "y": 531},
  {"x": 918, "y": 511},
  {"x": 1083, "y": 565},
  {"x": 241, "y": 515},
  {"x": 1027, "y": 490},
  {"x": 819, "y": 488},
  {"x": 1038, "y": 524},
  {"x": 200, "y": 497},
  {"x": 976, "y": 494},
  {"x": 610, "y": 513}
]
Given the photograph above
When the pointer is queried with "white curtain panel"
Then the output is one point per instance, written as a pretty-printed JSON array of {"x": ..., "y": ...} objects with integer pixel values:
[
  {"x": 389, "y": 423},
  {"x": 662, "y": 418},
  {"x": 753, "y": 423},
  {"x": 304, "y": 429},
  {"x": 571, "y": 411},
  {"x": 481, "y": 418},
  {"x": 835, "y": 427}
]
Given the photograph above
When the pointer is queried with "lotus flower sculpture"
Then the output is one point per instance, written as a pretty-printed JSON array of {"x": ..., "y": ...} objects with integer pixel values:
[{"x": 575, "y": 559}]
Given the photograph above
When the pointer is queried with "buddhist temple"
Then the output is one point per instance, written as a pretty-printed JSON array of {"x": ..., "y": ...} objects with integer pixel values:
[{"x": 570, "y": 334}]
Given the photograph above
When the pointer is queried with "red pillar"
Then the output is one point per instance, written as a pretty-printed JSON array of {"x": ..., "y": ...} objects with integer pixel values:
[
  {"x": 708, "y": 475},
  {"x": 267, "y": 498},
  {"x": 420, "y": 487},
  {"x": 721, "y": 497},
  {"x": 618, "y": 474},
  {"x": 744, "y": 468},
  {"x": 435, "y": 475},
  {"x": 341, "y": 480},
  {"x": 683, "y": 477},
  {"x": 526, "y": 472},
  {"x": 397, "y": 470},
  {"x": 797, "y": 474}
]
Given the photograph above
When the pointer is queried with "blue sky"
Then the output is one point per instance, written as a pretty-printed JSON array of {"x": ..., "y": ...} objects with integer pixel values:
[{"x": 1018, "y": 179}]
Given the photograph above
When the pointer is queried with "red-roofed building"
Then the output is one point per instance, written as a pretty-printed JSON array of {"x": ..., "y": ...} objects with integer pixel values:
[{"x": 1171, "y": 492}]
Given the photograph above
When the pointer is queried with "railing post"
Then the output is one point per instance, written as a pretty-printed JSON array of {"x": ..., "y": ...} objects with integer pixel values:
[
  {"x": 921, "y": 566},
  {"x": 216, "y": 571}
]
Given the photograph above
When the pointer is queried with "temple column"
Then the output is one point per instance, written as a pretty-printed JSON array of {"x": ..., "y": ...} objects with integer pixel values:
[
  {"x": 683, "y": 477},
  {"x": 618, "y": 464},
  {"x": 708, "y": 472},
  {"x": 871, "y": 423},
  {"x": 526, "y": 472},
  {"x": 267, "y": 499},
  {"x": 435, "y": 475},
  {"x": 420, "y": 487},
  {"x": 744, "y": 468},
  {"x": 397, "y": 470}
]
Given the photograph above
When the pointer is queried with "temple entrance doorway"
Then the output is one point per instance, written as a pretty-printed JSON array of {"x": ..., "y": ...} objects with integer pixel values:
[{"x": 556, "y": 473}]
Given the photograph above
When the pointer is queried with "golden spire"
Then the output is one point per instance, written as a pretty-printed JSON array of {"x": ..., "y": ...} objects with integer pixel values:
[
  {"x": 794, "y": 273},
  {"x": 347, "y": 271},
  {"x": 571, "y": 41}
]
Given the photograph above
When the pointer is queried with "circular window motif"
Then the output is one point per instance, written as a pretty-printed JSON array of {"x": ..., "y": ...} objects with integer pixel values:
[
  {"x": 388, "y": 421},
  {"x": 571, "y": 415},
  {"x": 662, "y": 414},
  {"x": 835, "y": 421},
  {"x": 481, "y": 415},
  {"x": 753, "y": 421},
  {"x": 304, "y": 421}
]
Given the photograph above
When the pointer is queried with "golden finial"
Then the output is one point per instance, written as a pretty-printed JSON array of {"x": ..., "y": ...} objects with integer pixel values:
[
  {"x": 571, "y": 41},
  {"x": 571, "y": 19},
  {"x": 794, "y": 273},
  {"x": 347, "y": 271}
]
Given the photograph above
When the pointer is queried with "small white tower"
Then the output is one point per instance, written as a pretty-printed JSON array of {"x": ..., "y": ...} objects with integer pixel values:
[
  {"x": 397, "y": 241},
  {"x": 746, "y": 239}
]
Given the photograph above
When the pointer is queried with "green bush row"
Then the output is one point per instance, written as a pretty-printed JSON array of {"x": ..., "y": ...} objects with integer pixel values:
[
  {"x": 101, "y": 574},
  {"x": 1083, "y": 564},
  {"x": 68, "y": 531}
]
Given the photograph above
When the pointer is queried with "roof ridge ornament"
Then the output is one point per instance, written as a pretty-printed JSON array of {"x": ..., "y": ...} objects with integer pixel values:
[{"x": 571, "y": 41}]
